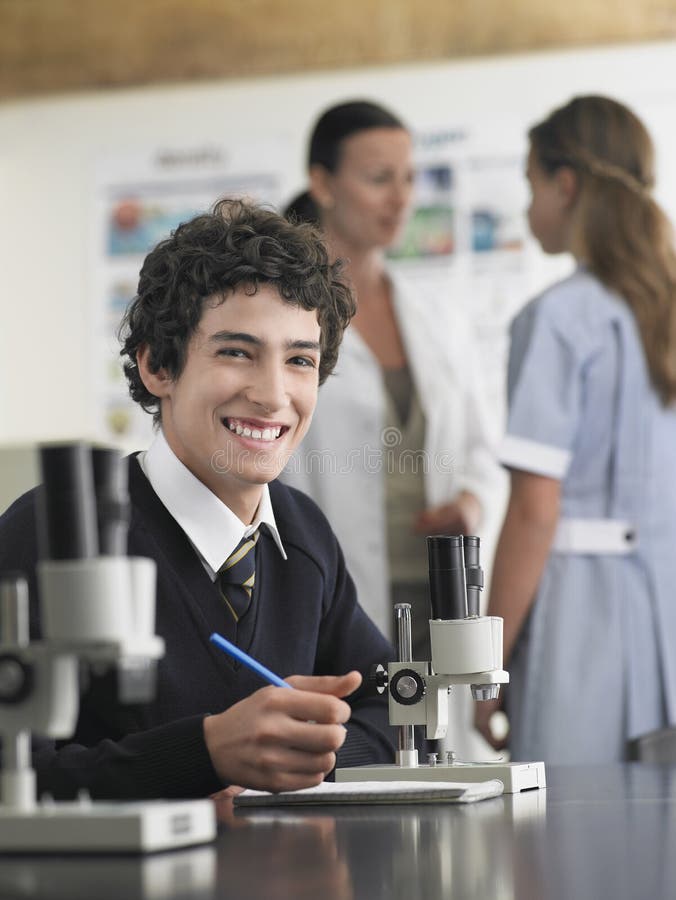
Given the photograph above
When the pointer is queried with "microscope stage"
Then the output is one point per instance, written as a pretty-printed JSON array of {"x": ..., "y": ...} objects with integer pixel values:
[{"x": 515, "y": 776}]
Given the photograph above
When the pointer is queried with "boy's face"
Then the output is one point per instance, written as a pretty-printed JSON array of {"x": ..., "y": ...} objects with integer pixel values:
[{"x": 246, "y": 395}]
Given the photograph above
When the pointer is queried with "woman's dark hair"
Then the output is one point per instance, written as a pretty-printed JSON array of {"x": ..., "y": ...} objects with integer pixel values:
[
  {"x": 236, "y": 245},
  {"x": 303, "y": 208},
  {"x": 341, "y": 122},
  {"x": 627, "y": 238},
  {"x": 326, "y": 142}
]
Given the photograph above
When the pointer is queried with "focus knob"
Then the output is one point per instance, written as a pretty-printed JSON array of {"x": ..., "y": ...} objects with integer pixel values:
[
  {"x": 16, "y": 679},
  {"x": 407, "y": 687},
  {"x": 378, "y": 677}
]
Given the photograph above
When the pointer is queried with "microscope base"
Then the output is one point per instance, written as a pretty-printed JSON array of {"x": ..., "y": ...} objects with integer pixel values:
[
  {"x": 97, "y": 827},
  {"x": 515, "y": 776}
]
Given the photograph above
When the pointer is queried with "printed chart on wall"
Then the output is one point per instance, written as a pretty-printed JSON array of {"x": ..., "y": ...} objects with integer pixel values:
[
  {"x": 139, "y": 201},
  {"x": 467, "y": 239}
]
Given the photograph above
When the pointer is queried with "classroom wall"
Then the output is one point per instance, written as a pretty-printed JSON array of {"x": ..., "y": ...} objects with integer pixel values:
[
  {"x": 50, "y": 149},
  {"x": 67, "y": 45}
]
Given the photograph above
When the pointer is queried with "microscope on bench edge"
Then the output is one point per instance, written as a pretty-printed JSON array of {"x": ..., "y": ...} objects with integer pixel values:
[
  {"x": 466, "y": 649},
  {"x": 97, "y": 610}
]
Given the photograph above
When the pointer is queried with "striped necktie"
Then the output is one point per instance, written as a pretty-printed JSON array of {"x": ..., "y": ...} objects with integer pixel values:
[{"x": 237, "y": 575}]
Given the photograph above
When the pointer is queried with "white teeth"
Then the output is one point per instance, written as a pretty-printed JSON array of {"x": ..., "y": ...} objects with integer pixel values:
[{"x": 265, "y": 434}]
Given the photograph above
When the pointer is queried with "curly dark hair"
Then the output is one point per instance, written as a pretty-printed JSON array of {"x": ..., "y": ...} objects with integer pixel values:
[{"x": 237, "y": 244}]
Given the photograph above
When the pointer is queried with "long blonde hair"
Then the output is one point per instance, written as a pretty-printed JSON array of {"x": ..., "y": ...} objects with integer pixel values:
[{"x": 627, "y": 238}]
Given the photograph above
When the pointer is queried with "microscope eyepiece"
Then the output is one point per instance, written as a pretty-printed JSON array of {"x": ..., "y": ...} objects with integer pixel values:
[
  {"x": 448, "y": 591},
  {"x": 84, "y": 505},
  {"x": 67, "y": 510},
  {"x": 474, "y": 574},
  {"x": 112, "y": 501}
]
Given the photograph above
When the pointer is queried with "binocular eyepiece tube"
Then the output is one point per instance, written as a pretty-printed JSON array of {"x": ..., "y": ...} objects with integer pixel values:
[
  {"x": 84, "y": 505},
  {"x": 456, "y": 576}
]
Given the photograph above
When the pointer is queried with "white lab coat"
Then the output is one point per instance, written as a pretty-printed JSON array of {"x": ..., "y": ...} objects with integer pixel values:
[{"x": 343, "y": 458}]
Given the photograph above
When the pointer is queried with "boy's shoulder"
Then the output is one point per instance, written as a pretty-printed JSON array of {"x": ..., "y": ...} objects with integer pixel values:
[
  {"x": 301, "y": 522},
  {"x": 18, "y": 534},
  {"x": 20, "y": 514}
]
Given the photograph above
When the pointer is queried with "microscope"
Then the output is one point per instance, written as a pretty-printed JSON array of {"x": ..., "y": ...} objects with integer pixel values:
[
  {"x": 97, "y": 613},
  {"x": 466, "y": 649}
]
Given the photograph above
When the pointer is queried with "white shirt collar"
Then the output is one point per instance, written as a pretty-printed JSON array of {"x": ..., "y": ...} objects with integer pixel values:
[{"x": 212, "y": 527}]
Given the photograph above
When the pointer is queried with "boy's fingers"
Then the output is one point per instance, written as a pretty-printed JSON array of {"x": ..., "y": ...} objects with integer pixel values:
[
  {"x": 338, "y": 685},
  {"x": 311, "y": 706},
  {"x": 312, "y": 737}
]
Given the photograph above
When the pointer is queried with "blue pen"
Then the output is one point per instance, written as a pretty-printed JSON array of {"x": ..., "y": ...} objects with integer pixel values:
[{"x": 247, "y": 660}]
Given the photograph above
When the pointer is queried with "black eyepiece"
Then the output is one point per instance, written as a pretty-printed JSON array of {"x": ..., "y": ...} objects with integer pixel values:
[{"x": 448, "y": 592}]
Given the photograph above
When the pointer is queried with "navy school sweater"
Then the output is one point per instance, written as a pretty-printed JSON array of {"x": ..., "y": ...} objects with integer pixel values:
[{"x": 307, "y": 621}]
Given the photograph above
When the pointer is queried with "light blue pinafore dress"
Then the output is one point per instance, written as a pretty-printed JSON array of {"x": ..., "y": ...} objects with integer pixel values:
[{"x": 595, "y": 664}]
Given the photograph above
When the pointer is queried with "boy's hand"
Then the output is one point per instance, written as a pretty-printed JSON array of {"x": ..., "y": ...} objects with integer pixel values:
[{"x": 281, "y": 740}]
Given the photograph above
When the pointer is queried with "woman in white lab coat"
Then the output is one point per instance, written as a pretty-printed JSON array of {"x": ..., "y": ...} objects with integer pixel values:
[{"x": 399, "y": 446}]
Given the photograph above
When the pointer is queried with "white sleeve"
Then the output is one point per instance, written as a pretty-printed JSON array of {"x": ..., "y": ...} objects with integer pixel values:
[{"x": 544, "y": 393}]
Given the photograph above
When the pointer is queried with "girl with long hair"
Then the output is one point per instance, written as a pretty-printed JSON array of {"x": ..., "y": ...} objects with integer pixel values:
[{"x": 585, "y": 566}]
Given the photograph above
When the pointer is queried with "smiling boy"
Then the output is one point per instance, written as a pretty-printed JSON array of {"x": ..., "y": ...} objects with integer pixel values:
[{"x": 238, "y": 319}]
